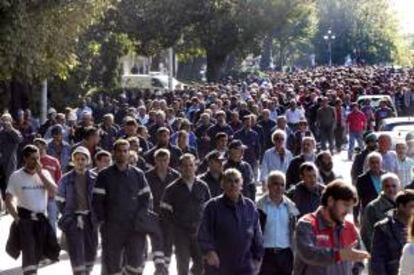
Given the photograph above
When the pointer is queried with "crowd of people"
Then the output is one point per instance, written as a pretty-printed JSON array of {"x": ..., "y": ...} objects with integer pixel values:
[{"x": 236, "y": 178}]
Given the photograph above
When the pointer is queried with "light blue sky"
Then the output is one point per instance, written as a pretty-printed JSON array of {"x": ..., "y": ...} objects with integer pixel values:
[{"x": 405, "y": 11}]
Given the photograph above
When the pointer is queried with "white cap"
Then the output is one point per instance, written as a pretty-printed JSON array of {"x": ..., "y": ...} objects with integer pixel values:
[{"x": 82, "y": 150}]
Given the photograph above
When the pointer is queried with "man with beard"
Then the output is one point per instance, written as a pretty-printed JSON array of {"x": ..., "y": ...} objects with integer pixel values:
[
  {"x": 325, "y": 240},
  {"x": 325, "y": 164}
]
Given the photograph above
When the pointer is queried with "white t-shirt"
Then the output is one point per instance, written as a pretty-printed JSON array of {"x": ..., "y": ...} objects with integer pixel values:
[{"x": 29, "y": 190}]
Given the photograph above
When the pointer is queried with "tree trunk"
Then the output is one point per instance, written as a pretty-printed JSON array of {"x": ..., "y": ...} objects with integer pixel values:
[
  {"x": 196, "y": 66},
  {"x": 266, "y": 56},
  {"x": 155, "y": 63},
  {"x": 215, "y": 64},
  {"x": 19, "y": 96}
]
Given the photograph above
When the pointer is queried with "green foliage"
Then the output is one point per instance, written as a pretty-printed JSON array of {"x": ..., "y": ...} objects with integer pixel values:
[
  {"x": 292, "y": 35},
  {"x": 368, "y": 30},
  {"x": 39, "y": 38}
]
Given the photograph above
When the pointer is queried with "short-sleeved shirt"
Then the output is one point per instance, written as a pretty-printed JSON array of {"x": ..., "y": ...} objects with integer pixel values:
[{"x": 29, "y": 190}]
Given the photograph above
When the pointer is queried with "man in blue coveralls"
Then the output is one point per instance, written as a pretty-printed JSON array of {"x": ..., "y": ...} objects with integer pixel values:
[{"x": 230, "y": 236}]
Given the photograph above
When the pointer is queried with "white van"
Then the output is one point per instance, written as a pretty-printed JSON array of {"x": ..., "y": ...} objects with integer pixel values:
[{"x": 152, "y": 81}]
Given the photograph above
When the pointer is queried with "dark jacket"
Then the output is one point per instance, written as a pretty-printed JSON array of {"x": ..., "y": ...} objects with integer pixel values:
[
  {"x": 45, "y": 237},
  {"x": 119, "y": 196},
  {"x": 267, "y": 127},
  {"x": 374, "y": 212},
  {"x": 181, "y": 208},
  {"x": 366, "y": 192},
  {"x": 357, "y": 168},
  {"x": 9, "y": 144},
  {"x": 387, "y": 244},
  {"x": 66, "y": 198},
  {"x": 213, "y": 184},
  {"x": 249, "y": 187},
  {"x": 305, "y": 200},
  {"x": 250, "y": 138},
  {"x": 158, "y": 186},
  {"x": 292, "y": 173},
  {"x": 231, "y": 230},
  {"x": 174, "y": 151}
]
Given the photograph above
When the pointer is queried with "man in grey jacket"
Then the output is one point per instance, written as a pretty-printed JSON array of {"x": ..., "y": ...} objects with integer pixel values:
[
  {"x": 378, "y": 208},
  {"x": 324, "y": 240},
  {"x": 278, "y": 218}
]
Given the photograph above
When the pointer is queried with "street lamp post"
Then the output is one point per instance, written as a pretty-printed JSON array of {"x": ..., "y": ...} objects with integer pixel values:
[{"x": 329, "y": 37}]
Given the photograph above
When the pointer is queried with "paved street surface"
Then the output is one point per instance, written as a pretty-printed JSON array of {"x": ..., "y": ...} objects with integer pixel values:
[{"x": 9, "y": 266}]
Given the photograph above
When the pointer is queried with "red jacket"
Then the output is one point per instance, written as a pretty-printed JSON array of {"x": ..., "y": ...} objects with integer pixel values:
[{"x": 357, "y": 121}]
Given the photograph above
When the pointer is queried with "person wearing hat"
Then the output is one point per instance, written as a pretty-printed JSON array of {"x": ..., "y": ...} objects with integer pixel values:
[
  {"x": 74, "y": 200},
  {"x": 235, "y": 160},
  {"x": 52, "y": 165},
  {"x": 371, "y": 144},
  {"x": 214, "y": 173}
]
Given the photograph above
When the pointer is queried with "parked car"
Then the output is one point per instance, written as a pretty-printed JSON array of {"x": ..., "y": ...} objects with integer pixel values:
[
  {"x": 375, "y": 101},
  {"x": 152, "y": 81}
]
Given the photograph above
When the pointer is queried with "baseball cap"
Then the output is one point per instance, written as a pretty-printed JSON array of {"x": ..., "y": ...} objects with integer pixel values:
[{"x": 371, "y": 137}]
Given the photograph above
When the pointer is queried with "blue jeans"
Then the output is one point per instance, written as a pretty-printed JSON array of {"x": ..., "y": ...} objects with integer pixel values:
[
  {"x": 352, "y": 137},
  {"x": 52, "y": 212}
]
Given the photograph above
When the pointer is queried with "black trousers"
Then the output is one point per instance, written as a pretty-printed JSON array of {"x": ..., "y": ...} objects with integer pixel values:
[
  {"x": 122, "y": 249},
  {"x": 186, "y": 247},
  {"x": 277, "y": 262}
]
